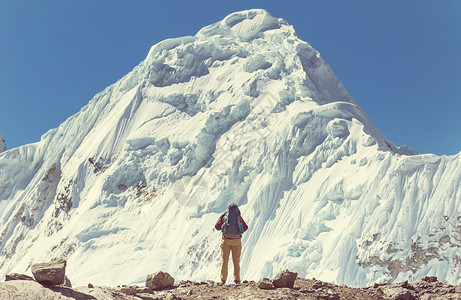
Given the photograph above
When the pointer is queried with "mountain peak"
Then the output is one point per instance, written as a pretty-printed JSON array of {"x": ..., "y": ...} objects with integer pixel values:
[
  {"x": 255, "y": 42},
  {"x": 245, "y": 25}
]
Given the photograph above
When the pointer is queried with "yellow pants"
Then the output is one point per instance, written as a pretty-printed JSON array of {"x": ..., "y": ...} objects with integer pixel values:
[{"x": 228, "y": 245}]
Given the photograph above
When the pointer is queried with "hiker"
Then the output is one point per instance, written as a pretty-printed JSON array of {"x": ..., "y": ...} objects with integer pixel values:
[{"x": 232, "y": 226}]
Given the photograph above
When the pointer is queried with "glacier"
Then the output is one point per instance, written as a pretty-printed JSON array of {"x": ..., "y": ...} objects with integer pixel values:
[{"x": 244, "y": 111}]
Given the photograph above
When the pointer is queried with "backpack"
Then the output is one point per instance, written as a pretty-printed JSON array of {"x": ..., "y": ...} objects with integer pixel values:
[{"x": 232, "y": 225}]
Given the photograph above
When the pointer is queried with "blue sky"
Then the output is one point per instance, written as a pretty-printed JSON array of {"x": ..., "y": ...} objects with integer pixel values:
[{"x": 400, "y": 60}]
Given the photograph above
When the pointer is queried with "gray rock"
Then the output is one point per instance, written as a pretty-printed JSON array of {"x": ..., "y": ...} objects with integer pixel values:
[
  {"x": 285, "y": 279},
  {"x": 429, "y": 278},
  {"x": 318, "y": 285},
  {"x": 429, "y": 296},
  {"x": 406, "y": 285},
  {"x": 24, "y": 289},
  {"x": 98, "y": 292},
  {"x": 186, "y": 283},
  {"x": 377, "y": 285},
  {"x": 128, "y": 290},
  {"x": 146, "y": 296},
  {"x": 397, "y": 293},
  {"x": 159, "y": 280},
  {"x": 327, "y": 295},
  {"x": 265, "y": 284},
  {"x": 50, "y": 273},
  {"x": 144, "y": 290},
  {"x": 30, "y": 289},
  {"x": 17, "y": 276}
]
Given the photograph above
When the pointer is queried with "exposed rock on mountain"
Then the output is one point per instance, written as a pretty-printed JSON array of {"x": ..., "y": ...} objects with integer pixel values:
[{"x": 2, "y": 144}]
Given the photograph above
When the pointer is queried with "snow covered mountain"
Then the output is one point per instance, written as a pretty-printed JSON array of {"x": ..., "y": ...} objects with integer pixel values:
[{"x": 245, "y": 112}]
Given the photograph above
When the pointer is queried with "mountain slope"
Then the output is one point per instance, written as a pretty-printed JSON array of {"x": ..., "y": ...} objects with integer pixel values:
[{"x": 245, "y": 112}]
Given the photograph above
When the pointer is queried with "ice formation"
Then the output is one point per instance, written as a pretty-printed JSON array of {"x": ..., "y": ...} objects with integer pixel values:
[{"x": 244, "y": 112}]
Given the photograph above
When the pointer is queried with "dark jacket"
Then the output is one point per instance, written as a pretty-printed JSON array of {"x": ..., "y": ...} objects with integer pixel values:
[{"x": 220, "y": 222}]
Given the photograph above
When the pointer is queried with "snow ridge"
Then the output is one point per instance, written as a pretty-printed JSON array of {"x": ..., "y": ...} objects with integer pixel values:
[{"x": 244, "y": 112}]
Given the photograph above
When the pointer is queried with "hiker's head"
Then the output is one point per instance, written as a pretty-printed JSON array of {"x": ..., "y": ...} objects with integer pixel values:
[{"x": 232, "y": 205}]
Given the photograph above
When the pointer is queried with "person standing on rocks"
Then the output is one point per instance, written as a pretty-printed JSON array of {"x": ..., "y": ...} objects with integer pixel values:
[{"x": 232, "y": 227}]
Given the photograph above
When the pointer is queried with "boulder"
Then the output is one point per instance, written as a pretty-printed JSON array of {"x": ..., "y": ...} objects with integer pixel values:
[
  {"x": 160, "y": 280},
  {"x": 128, "y": 290},
  {"x": 377, "y": 285},
  {"x": 319, "y": 285},
  {"x": 25, "y": 289},
  {"x": 146, "y": 296},
  {"x": 265, "y": 284},
  {"x": 17, "y": 276},
  {"x": 32, "y": 290},
  {"x": 285, "y": 279},
  {"x": 406, "y": 285},
  {"x": 429, "y": 278},
  {"x": 397, "y": 293},
  {"x": 50, "y": 273}
]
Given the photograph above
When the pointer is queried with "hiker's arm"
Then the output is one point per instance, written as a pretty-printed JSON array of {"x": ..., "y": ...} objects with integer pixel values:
[
  {"x": 219, "y": 223},
  {"x": 245, "y": 226}
]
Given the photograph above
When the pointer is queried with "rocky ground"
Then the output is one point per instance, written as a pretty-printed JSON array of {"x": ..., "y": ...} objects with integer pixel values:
[
  {"x": 302, "y": 289},
  {"x": 50, "y": 282}
]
